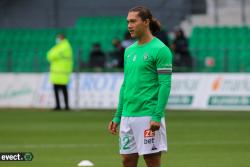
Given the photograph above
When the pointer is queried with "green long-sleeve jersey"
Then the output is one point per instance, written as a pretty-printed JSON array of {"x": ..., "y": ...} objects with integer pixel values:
[{"x": 147, "y": 81}]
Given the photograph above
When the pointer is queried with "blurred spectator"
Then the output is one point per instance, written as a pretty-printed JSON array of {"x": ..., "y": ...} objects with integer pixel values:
[
  {"x": 182, "y": 56},
  {"x": 97, "y": 57},
  {"x": 61, "y": 65},
  {"x": 162, "y": 35},
  {"x": 128, "y": 40},
  {"x": 116, "y": 57}
]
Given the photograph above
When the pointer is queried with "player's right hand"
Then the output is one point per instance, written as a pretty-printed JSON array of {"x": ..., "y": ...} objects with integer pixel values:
[{"x": 113, "y": 127}]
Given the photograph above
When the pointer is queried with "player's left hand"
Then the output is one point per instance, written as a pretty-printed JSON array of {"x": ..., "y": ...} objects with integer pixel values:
[{"x": 154, "y": 126}]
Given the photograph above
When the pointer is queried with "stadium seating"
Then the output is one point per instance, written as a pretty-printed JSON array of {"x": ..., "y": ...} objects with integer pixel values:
[
  {"x": 227, "y": 47},
  {"x": 214, "y": 49},
  {"x": 24, "y": 50}
]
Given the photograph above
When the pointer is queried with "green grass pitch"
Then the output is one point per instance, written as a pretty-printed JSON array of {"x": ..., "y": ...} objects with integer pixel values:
[{"x": 63, "y": 139}]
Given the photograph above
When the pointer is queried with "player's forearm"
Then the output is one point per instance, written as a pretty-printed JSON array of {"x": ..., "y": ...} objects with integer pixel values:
[
  {"x": 118, "y": 114},
  {"x": 164, "y": 91}
]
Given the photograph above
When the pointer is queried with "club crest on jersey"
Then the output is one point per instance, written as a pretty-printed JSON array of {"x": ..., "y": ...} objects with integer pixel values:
[
  {"x": 145, "y": 57},
  {"x": 148, "y": 133}
]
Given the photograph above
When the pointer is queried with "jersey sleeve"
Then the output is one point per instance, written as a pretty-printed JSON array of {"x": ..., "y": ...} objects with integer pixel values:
[
  {"x": 118, "y": 114},
  {"x": 164, "y": 61},
  {"x": 164, "y": 69}
]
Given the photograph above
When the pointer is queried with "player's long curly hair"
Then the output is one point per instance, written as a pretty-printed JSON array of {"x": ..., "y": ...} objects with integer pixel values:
[{"x": 144, "y": 13}]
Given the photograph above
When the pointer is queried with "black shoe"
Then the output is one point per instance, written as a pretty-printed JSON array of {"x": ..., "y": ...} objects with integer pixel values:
[
  {"x": 67, "y": 108},
  {"x": 56, "y": 109}
]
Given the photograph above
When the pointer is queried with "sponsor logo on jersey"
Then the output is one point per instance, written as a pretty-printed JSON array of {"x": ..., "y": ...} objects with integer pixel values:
[
  {"x": 149, "y": 138},
  {"x": 148, "y": 133},
  {"x": 149, "y": 141}
]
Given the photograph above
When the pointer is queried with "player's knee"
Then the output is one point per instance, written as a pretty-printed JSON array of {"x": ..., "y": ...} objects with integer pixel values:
[
  {"x": 153, "y": 160},
  {"x": 129, "y": 161},
  {"x": 153, "y": 163}
]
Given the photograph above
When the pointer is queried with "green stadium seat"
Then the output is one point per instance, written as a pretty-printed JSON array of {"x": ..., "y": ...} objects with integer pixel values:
[
  {"x": 244, "y": 60},
  {"x": 230, "y": 40},
  {"x": 3, "y": 60}
]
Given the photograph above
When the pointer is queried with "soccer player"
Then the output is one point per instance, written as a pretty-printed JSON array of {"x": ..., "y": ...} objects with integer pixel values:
[{"x": 144, "y": 92}]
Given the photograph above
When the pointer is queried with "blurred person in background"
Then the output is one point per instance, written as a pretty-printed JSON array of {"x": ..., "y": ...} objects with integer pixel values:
[
  {"x": 128, "y": 40},
  {"x": 162, "y": 35},
  {"x": 182, "y": 57},
  {"x": 144, "y": 93},
  {"x": 97, "y": 57},
  {"x": 60, "y": 58},
  {"x": 116, "y": 57}
]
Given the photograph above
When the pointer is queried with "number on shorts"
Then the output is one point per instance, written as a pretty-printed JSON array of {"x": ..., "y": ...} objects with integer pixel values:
[{"x": 126, "y": 142}]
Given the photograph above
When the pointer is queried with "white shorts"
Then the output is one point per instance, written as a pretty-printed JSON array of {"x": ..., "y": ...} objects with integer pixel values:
[{"x": 135, "y": 136}]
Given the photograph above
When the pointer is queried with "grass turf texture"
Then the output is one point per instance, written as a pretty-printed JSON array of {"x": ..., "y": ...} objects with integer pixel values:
[{"x": 63, "y": 139}]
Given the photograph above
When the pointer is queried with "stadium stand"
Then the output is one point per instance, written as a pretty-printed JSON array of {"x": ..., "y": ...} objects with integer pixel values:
[
  {"x": 90, "y": 30},
  {"x": 218, "y": 49},
  {"x": 24, "y": 50},
  {"x": 215, "y": 49}
]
